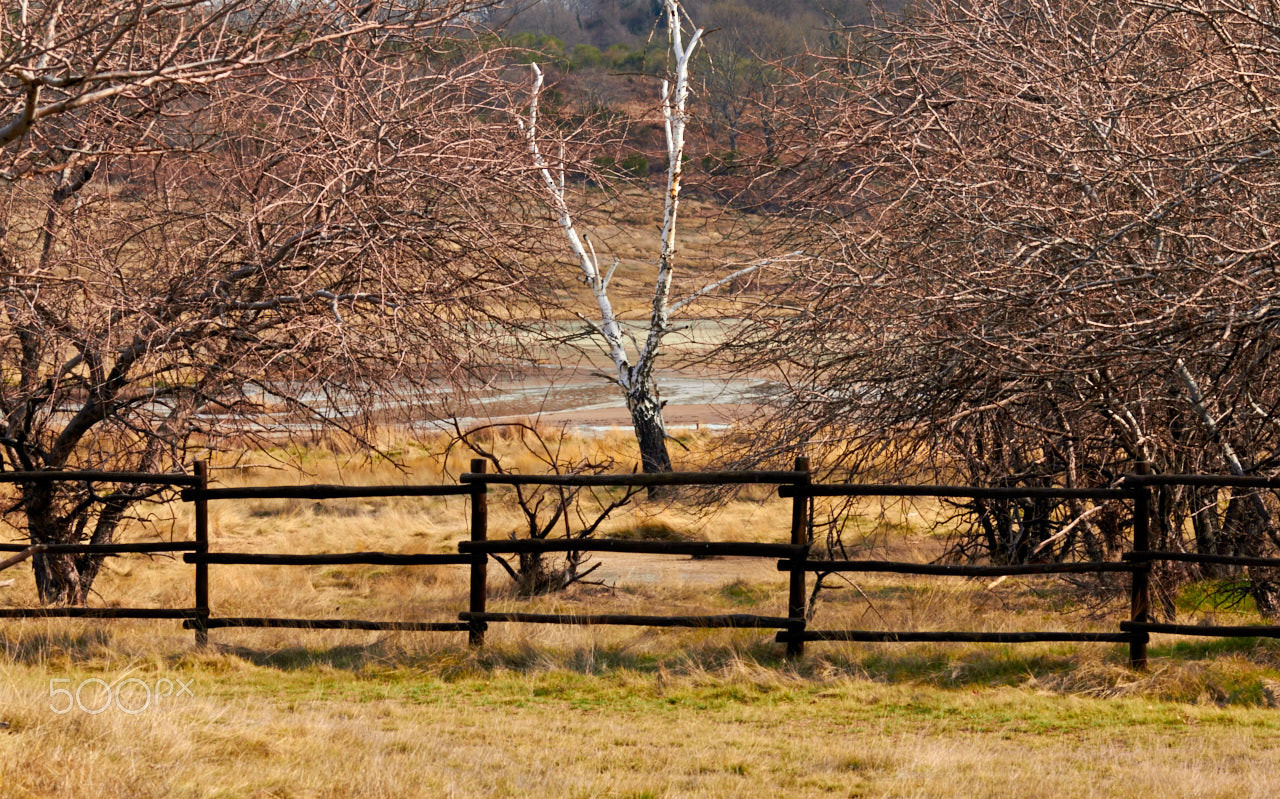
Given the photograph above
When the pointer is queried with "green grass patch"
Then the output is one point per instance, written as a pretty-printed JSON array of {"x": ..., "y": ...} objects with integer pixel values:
[
  {"x": 1266, "y": 650},
  {"x": 1216, "y": 595},
  {"x": 745, "y": 594},
  {"x": 656, "y": 530}
]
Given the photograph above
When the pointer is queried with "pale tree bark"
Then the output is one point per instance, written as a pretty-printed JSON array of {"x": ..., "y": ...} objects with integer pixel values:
[
  {"x": 633, "y": 371},
  {"x": 634, "y": 360}
]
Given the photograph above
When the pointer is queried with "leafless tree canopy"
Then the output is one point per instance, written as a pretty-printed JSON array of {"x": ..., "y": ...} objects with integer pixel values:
[
  {"x": 546, "y": 511},
  {"x": 218, "y": 216},
  {"x": 1051, "y": 233}
]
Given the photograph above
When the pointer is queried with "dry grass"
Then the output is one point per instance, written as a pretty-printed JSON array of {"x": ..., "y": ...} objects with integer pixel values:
[
  {"x": 625, "y": 712},
  {"x": 714, "y": 717},
  {"x": 714, "y": 241}
]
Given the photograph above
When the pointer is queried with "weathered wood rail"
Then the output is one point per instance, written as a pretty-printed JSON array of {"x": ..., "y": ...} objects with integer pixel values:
[
  {"x": 792, "y": 629},
  {"x": 1137, "y": 640}
]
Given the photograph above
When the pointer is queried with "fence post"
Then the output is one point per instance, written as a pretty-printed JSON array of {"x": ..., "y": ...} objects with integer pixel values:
[
  {"x": 479, "y": 560},
  {"x": 799, "y": 537},
  {"x": 1140, "y": 597},
  {"x": 201, "y": 621}
]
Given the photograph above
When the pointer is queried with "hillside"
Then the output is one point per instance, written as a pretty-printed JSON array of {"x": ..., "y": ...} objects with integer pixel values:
[{"x": 780, "y": 27}]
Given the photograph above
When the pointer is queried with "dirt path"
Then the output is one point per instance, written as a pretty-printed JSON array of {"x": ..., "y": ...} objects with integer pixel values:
[{"x": 626, "y": 568}]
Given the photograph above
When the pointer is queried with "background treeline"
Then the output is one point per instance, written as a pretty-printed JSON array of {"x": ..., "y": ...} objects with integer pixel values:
[
  {"x": 602, "y": 57},
  {"x": 631, "y": 23}
]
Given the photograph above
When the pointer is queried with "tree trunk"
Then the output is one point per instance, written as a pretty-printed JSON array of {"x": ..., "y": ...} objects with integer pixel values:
[
  {"x": 1208, "y": 530},
  {"x": 65, "y": 579},
  {"x": 1265, "y": 590},
  {"x": 651, "y": 431},
  {"x": 58, "y": 582}
]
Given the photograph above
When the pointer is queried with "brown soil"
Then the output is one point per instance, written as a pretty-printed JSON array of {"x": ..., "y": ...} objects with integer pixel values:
[{"x": 625, "y": 568}]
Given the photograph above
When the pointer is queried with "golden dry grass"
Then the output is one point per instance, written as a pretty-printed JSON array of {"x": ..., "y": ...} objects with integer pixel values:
[
  {"x": 608, "y": 711},
  {"x": 713, "y": 242},
  {"x": 712, "y": 718}
]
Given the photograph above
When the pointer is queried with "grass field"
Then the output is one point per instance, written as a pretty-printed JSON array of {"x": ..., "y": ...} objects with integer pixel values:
[
  {"x": 625, "y": 712},
  {"x": 715, "y": 716}
]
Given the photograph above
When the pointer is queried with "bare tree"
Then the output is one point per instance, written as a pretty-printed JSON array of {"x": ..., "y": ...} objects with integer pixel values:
[
  {"x": 633, "y": 360},
  {"x": 235, "y": 218},
  {"x": 1052, "y": 258},
  {"x": 576, "y": 512},
  {"x": 636, "y": 379}
]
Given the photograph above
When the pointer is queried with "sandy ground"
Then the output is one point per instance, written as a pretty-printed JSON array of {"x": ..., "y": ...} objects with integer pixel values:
[{"x": 621, "y": 568}]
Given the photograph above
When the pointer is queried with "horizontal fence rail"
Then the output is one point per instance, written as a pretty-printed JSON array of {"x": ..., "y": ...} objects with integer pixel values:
[
  {"x": 89, "y": 476},
  {"x": 322, "y": 492},
  {"x": 1209, "y": 630},
  {"x": 738, "y": 620},
  {"x": 214, "y": 622},
  {"x": 708, "y": 549},
  {"x": 957, "y": 570},
  {"x": 949, "y": 492},
  {"x": 1206, "y": 480},
  {"x": 327, "y": 559},
  {"x": 99, "y": 613},
  {"x": 896, "y": 637},
  {"x": 102, "y": 549},
  {"x": 654, "y": 480},
  {"x": 792, "y": 629},
  {"x": 1192, "y": 557}
]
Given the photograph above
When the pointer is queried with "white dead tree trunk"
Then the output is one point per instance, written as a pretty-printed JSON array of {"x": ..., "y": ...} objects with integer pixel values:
[
  {"x": 634, "y": 366},
  {"x": 634, "y": 377}
]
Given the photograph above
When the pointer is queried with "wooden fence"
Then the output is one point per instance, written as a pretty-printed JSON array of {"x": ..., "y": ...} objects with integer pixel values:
[
  {"x": 24, "y": 551},
  {"x": 793, "y": 557}
]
